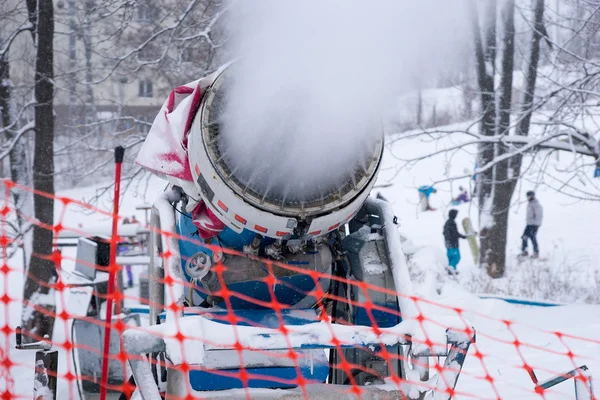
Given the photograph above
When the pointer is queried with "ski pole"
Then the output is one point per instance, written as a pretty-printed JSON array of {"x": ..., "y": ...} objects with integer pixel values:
[{"x": 119, "y": 153}]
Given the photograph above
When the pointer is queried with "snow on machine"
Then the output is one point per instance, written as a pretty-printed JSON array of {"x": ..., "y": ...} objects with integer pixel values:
[{"x": 254, "y": 290}]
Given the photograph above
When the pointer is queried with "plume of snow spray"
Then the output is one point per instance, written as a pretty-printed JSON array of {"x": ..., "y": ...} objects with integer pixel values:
[{"x": 304, "y": 108}]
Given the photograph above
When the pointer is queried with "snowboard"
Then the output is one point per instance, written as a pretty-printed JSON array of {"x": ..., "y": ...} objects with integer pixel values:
[{"x": 471, "y": 238}]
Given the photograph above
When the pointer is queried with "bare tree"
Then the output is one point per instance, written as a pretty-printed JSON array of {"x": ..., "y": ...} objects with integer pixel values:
[
  {"x": 38, "y": 293},
  {"x": 128, "y": 43},
  {"x": 16, "y": 146},
  {"x": 562, "y": 112},
  {"x": 494, "y": 189}
]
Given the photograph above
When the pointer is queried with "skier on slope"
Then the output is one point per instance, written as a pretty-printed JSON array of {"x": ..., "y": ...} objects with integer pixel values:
[
  {"x": 535, "y": 213},
  {"x": 424, "y": 192},
  {"x": 463, "y": 197},
  {"x": 451, "y": 236}
]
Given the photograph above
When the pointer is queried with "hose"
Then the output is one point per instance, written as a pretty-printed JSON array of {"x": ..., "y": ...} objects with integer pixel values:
[
  {"x": 79, "y": 390},
  {"x": 338, "y": 272}
]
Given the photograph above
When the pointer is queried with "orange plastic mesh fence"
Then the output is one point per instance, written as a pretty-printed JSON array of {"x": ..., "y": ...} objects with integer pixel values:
[{"x": 510, "y": 358}]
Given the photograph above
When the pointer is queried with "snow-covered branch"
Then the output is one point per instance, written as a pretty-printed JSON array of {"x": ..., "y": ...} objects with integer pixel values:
[
  {"x": 8, "y": 148},
  {"x": 167, "y": 32},
  {"x": 5, "y": 45}
]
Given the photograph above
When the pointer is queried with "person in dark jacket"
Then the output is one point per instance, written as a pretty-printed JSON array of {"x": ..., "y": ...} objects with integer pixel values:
[{"x": 451, "y": 236}]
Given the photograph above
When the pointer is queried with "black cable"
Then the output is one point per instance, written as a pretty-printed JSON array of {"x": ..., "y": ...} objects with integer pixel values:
[
  {"x": 75, "y": 361},
  {"x": 131, "y": 382},
  {"x": 338, "y": 272},
  {"x": 182, "y": 213},
  {"x": 332, "y": 351}
]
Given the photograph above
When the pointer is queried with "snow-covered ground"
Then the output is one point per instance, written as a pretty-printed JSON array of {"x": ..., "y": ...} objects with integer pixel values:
[{"x": 568, "y": 238}]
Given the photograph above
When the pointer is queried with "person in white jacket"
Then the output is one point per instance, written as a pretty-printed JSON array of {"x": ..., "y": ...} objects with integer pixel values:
[{"x": 535, "y": 214}]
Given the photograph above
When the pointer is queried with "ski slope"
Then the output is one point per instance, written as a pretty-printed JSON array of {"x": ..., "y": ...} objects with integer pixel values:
[{"x": 568, "y": 238}]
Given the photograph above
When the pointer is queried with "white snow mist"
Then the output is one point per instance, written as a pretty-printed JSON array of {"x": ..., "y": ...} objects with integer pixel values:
[{"x": 305, "y": 107}]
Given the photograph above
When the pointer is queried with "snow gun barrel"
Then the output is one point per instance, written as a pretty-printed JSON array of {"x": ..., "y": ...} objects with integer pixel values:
[{"x": 268, "y": 210}]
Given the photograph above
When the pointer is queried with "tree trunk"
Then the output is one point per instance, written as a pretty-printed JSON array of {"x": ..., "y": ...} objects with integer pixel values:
[
  {"x": 485, "y": 55},
  {"x": 491, "y": 14},
  {"x": 18, "y": 155},
  {"x": 530, "y": 79},
  {"x": 38, "y": 293},
  {"x": 508, "y": 65},
  {"x": 494, "y": 236},
  {"x": 532, "y": 70},
  {"x": 505, "y": 174}
]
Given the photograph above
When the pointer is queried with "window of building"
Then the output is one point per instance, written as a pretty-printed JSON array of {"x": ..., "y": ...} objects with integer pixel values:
[
  {"x": 187, "y": 55},
  {"x": 145, "y": 88},
  {"x": 72, "y": 46},
  {"x": 146, "y": 13},
  {"x": 147, "y": 53},
  {"x": 143, "y": 127},
  {"x": 195, "y": 54}
]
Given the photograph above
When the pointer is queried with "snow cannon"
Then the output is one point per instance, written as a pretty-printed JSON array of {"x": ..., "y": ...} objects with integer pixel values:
[
  {"x": 251, "y": 258},
  {"x": 276, "y": 211}
]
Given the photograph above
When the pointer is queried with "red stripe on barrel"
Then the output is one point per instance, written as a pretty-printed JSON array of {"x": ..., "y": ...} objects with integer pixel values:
[
  {"x": 260, "y": 228},
  {"x": 197, "y": 168},
  {"x": 241, "y": 220},
  {"x": 314, "y": 233},
  {"x": 222, "y": 206},
  {"x": 332, "y": 227},
  {"x": 280, "y": 233}
]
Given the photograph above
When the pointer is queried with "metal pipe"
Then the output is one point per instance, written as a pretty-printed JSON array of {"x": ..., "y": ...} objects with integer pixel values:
[
  {"x": 119, "y": 154},
  {"x": 396, "y": 256},
  {"x": 400, "y": 274},
  {"x": 584, "y": 389},
  {"x": 162, "y": 219},
  {"x": 137, "y": 344},
  {"x": 156, "y": 288}
]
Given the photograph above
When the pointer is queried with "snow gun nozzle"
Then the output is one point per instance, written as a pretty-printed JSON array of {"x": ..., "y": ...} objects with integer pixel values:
[{"x": 119, "y": 154}]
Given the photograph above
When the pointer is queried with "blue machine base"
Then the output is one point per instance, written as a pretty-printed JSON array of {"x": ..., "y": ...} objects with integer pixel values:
[
  {"x": 273, "y": 378},
  {"x": 313, "y": 368}
]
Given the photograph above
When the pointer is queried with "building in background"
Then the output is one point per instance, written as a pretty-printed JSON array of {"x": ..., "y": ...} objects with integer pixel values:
[{"x": 115, "y": 63}]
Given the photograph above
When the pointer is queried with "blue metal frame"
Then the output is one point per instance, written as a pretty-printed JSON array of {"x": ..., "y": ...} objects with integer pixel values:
[
  {"x": 289, "y": 292},
  {"x": 273, "y": 377}
]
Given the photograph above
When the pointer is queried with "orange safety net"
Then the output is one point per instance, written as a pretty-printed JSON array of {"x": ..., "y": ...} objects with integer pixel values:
[{"x": 525, "y": 352}]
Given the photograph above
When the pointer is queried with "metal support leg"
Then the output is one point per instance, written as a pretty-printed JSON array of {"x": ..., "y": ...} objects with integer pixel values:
[
  {"x": 452, "y": 368},
  {"x": 583, "y": 387}
]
